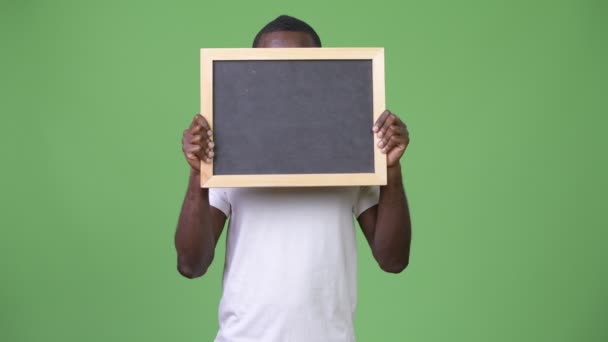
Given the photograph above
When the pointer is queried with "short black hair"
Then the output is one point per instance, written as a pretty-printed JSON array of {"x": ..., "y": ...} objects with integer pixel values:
[{"x": 287, "y": 23}]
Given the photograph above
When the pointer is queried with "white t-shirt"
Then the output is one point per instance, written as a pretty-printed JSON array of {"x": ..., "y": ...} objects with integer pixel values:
[{"x": 290, "y": 273}]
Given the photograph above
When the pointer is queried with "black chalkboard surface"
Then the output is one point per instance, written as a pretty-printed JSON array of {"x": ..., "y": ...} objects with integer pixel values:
[{"x": 292, "y": 120}]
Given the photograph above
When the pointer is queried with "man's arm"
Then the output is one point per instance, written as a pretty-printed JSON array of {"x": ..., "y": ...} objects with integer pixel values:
[
  {"x": 387, "y": 226},
  {"x": 200, "y": 225}
]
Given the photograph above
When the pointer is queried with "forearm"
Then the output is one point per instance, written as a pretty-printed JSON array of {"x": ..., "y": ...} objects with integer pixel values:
[
  {"x": 392, "y": 235},
  {"x": 194, "y": 239}
]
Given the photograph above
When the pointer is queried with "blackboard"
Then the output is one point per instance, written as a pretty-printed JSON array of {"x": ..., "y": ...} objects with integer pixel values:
[{"x": 293, "y": 120}]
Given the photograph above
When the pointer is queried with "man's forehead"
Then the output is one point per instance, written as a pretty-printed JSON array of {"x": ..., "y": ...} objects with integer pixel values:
[{"x": 285, "y": 39}]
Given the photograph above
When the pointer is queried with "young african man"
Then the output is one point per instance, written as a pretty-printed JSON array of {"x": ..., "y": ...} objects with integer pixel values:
[{"x": 291, "y": 262}]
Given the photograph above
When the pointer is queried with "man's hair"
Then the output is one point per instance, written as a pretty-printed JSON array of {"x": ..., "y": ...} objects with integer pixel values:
[{"x": 287, "y": 23}]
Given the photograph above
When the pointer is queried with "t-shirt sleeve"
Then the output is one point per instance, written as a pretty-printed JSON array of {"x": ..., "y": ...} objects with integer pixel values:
[
  {"x": 218, "y": 198},
  {"x": 367, "y": 197}
]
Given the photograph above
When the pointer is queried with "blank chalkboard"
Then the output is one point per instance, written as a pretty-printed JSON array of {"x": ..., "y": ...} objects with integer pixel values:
[{"x": 292, "y": 120}]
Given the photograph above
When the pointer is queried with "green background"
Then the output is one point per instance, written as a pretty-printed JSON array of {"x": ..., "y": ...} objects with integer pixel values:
[{"x": 506, "y": 171}]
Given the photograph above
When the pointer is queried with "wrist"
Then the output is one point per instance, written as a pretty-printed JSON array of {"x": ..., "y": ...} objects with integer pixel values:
[
  {"x": 394, "y": 168},
  {"x": 393, "y": 174},
  {"x": 194, "y": 172},
  {"x": 195, "y": 179}
]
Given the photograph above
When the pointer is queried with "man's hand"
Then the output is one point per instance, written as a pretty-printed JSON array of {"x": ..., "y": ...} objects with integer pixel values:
[
  {"x": 394, "y": 137},
  {"x": 197, "y": 143}
]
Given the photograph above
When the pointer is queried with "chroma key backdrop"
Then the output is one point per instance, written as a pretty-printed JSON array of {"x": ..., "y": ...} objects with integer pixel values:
[{"x": 505, "y": 174}]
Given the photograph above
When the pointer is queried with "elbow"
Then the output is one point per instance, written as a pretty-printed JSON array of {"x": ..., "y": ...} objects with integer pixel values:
[
  {"x": 189, "y": 272},
  {"x": 394, "y": 266},
  {"x": 190, "y": 269}
]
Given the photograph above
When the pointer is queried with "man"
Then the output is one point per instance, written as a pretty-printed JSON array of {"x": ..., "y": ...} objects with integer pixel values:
[{"x": 290, "y": 269}]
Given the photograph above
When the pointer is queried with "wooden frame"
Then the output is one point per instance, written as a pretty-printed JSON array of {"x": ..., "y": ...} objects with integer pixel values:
[{"x": 376, "y": 55}]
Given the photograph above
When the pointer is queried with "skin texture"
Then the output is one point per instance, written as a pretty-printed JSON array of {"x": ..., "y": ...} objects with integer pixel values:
[
  {"x": 386, "y": 226},
  {"x": 286, "y": 39}
]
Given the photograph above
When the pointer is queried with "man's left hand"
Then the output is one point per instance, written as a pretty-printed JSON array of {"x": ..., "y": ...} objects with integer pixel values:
[{"x": 394, "y": 137}]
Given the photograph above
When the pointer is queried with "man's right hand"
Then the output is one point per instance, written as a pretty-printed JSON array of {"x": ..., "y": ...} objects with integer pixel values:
[{"x": 197, "y": 143}]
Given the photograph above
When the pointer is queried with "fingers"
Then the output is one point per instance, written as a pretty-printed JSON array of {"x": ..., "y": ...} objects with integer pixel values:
[
  {"x": 201, "y": 138},
  {"x": 200, "y": 125},
  {"x": 201, "y": 150},
  {"x": 394, "y": 141},
  {"x": 380, "y": 122},
  {"x": 199, "y": 129},
  {"x": 387, "y": 125},
  {"x": 391, "y": 132},
  {"x": 390, "y": 120},
  {"x": 199, "y": 120},
  {"x": 197, "y": 141},
  {"x": 206, "y": 154},
  {"x": 191, "y": 151}
]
